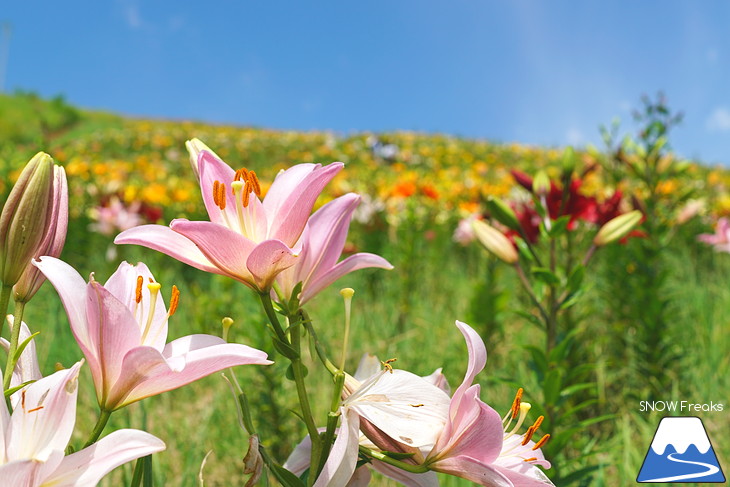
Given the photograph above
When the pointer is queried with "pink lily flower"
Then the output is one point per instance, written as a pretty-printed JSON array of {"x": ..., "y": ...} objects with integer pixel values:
[
  {"x": 247, "y": 239},
  {"x": 121, "y": 328},
  {"x": 322, "y": 243},
  {"x": 474, "y": 444},
  {"x": 35, "y": 436},
  {"x": 720, "y": 240}
]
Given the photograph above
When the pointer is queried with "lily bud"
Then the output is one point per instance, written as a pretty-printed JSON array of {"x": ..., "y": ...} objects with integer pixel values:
[
  {"x": 501, "y": 212},
  {"x": 495, "y": 241},
  {"x": 195, "y": 147},
  {"x": 541, "y": 184},
  {"x": 569, "y": 160},
  {"x": 25, "y": 217},
  {"x": 617, "y": 228},
  {"x": 53, "y": 239}
]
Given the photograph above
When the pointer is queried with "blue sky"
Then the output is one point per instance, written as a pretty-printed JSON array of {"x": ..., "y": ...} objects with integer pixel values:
[{"x": 533, "y": 72}]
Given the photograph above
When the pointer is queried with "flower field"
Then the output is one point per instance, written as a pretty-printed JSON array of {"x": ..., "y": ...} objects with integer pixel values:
[{"x": 581, "y": 272}]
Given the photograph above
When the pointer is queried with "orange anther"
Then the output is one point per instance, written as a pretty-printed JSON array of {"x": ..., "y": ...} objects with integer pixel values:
[
  {"x": 35, "y": 409},
  {"x": 255, "y": 185},
  {"x": 246, "y": 194},
  {"x": 221, "y": 196},
  {"x": 516, "y": 403},
  {"x": 528, "y": 435},
  {"x": 174, "y": 300},
  {"x": 216, "y": 184},
  {"x": 542, "y": 441},
  {"x": 138, "y": 290},
  {"x": 531, "y": 459}
]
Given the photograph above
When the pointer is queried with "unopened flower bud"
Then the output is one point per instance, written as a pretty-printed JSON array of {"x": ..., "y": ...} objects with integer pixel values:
[
  {"x": 195, "y": 147},
  {"x": 25, "y": 217},
  {"x": 541, "y": 184},
  {"x": 617, "y": 228},
  {"x": 53, "y": 239},
  {"x": 495, "y": 241},
  {"x": 501, "y": 212},
  {"x": 569, "y": 161}
]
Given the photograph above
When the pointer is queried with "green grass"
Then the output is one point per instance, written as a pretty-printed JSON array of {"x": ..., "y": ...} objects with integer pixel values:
[{"x": 408, "y": 314}]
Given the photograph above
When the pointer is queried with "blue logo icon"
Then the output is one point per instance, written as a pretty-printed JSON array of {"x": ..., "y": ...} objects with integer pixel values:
[{"x": 681, "y": 452}]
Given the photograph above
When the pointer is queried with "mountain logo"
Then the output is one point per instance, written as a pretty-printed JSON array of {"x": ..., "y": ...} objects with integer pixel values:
[{"x": 681, "y": 452}]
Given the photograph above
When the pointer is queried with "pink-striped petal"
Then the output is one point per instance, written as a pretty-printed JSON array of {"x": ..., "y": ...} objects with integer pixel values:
[
  {"x": 212, "y": 169},
  {"x": 123, "y": 286},
  {"x": 113, "y": 331},
  {"x": 290, "y": 199},
  {"x": 164, "y": 239},
  {"x": 354, "y": 262},
  {"x": 267, "y": 260},
  {"x": 147, "y": 372},
  {"x": 477, "y": 358},
  {"x": 226, "y": 249},
  {"x": 471, "y": 469},
  {"x": 88, "y": 466},
  {"x": 71, "y": 288}
]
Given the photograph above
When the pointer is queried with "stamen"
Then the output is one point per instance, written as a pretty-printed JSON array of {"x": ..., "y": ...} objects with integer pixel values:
[
  {"x": 387, "y": 365},
  {"x": 216, "y": 184},
  {"x": 138, "y": 290},
  {"x": 237, "y": 186},
  {"x": 222, "y": 196},
  {"x": 154, "y": 288},
  {"x": 22, "y": 399},
  {"x": 542, "y": 441},
  {"x": 516, "y": 403},
  {"x": 255, "y": 185},
  {"x": 35, "y": 409},
  {"x": 246, "y": 194},
  {"x": 174, "y": 300},
  {"x": 531, "y": 459},
  {"x": 528, "y": 435},
  {"x": 524, "y": 409}
]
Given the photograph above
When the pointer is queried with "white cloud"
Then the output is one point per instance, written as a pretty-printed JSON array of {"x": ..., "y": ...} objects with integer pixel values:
[{"x": 719, "y": 120}]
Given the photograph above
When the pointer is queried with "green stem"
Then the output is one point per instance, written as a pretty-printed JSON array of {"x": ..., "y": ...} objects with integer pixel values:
[
  {"x": 408, "y": 467},
  {"x": 332, "y": 418},
  {"x": 528, "y": 287},
  {"x": 297, "y": 368},
  {"x": 4, "y": 302},
  {"x": 318, "y": 346},
  {"x": 100, "y": 424},
  {"x": 14, "y": 338}
]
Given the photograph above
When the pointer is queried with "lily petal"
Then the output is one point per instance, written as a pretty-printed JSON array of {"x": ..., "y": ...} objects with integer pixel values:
[
  {"x": 87, "y": 467},
  {"x": 354, "y": 262},
  {"x": 164, "y": 239},
  {"x": 291, "y": 197},
  {"x": 147, "y": 372},
  {"x": 342, "y": 460},
  {"x": 267, "y": 260},
  {"x": 46, "y": 419},
  {"x": 226, "y": 249},
  {"x": 212, "y": 169}
]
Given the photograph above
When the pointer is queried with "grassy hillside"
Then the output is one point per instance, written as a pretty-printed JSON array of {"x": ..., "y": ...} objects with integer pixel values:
[{"x": 415, "y": 188}]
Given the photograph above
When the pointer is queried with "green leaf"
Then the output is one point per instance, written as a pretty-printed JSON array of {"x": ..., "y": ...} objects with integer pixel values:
[
  {"x": 530, "y": 318},
  {"x": 576, "y": 278},
  {"x": 559, "y": 226},
  {"x": 580, "y": 474},
  {"x": 551, "y": 387},
  {"x": 524, "y": 249},
  {"x": 545, "y": 275},
  {"x": 22, "y": 346},
  {"x": 15, "y": 389},
  {"x": 285, "y": 477},
  {"x": 290, "y": 372},
  {"x": 284, "y": 348}
]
